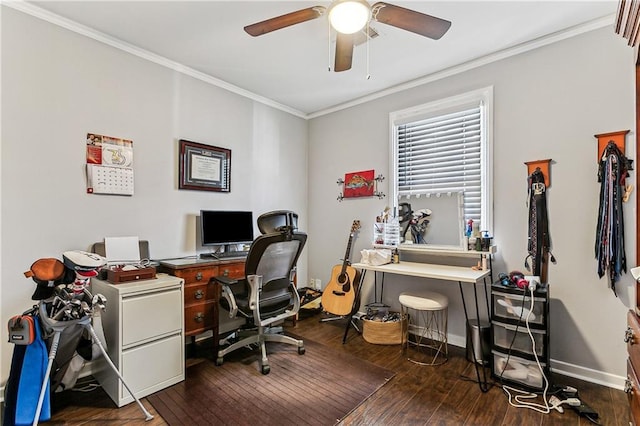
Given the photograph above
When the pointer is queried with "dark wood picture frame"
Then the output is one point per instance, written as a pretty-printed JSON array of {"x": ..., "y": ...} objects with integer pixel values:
[{"x": 204, "y": 167}]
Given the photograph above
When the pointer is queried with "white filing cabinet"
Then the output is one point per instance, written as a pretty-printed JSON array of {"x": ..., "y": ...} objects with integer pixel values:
[{"x": 144, "y": 328}]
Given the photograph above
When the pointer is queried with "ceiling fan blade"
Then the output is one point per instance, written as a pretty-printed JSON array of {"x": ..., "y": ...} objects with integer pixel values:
[
  {"x": 344, "y": 52},
  {"x": 285, "y": 20},
  {"x": 410, "y": 20}
]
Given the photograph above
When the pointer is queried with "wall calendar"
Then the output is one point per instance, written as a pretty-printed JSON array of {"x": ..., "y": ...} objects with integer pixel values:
[{"x": 109, "y": 165}]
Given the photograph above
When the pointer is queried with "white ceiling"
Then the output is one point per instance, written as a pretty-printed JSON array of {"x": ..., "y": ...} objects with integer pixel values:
[{"x": 290, "y": 66}]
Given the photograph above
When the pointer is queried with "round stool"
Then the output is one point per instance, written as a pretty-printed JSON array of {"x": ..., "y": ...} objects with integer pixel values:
[{"x": 426, "y": 327}]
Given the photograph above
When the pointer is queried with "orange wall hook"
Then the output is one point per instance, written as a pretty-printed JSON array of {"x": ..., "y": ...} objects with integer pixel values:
[
  {"x": 543, "y": 165},
  {"x": 616, "y": 137}
]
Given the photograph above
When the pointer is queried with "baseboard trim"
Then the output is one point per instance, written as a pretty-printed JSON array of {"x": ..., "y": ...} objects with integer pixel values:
[
  {"x": 571, "y": 370},
  {"x": 588, "y": 374}
]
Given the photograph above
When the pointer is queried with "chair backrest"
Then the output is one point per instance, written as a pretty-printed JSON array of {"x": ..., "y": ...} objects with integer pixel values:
[
  {"x": 274, "y": 256},
  {"x": 275, "y": 220}
]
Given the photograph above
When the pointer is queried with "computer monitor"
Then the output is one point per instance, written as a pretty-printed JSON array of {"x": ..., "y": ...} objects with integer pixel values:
[{"x": 220, "y": 227}]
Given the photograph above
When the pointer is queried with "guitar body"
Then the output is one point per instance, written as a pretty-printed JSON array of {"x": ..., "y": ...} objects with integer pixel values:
[{"x": 339, "y": 294}]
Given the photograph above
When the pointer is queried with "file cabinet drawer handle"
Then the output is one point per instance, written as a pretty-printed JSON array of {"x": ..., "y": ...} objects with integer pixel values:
[
  {"x": 199, "y": 276},
  {"x": 199, "y": 294}
]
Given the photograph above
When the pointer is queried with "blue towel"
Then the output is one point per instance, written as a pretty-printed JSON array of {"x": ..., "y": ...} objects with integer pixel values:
[
  {"x": 11, "y": 388},
  {"x": 34, "y": 368}
]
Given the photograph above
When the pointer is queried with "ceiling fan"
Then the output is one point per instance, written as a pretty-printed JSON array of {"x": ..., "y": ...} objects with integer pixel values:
[{"x": 348, "y": 17}]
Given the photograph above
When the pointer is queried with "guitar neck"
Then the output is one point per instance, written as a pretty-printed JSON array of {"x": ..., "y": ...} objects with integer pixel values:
[{"x": 347, "y": 254}]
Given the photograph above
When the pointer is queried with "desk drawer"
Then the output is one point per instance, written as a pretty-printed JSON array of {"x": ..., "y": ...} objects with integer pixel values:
[
  {"x": 196, "y": 275},
  {"x": 200, "y": 317},
  {"x": 231, "y": 270},
  {"x": 199, "y": 293}
]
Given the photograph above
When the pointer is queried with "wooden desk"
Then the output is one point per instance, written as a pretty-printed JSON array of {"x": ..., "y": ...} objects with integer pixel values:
[
  {"x": 202, "y": 297},
  {"x": 439, "y": 272}
]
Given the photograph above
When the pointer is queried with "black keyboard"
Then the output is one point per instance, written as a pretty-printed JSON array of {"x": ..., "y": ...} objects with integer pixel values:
[{"x": 231, "y": 254}]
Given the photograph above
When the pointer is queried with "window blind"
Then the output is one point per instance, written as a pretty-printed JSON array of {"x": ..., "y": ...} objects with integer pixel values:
[{"x": 443, "y": 154}]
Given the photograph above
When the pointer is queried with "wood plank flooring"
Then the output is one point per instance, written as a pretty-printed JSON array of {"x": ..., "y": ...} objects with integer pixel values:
[{"x": 417, "y": 395}]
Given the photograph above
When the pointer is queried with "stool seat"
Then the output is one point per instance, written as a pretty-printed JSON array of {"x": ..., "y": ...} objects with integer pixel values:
[{"x": 424, "y": 301}]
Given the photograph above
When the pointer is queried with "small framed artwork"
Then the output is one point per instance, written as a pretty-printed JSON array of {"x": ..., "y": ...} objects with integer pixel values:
[
  {"x": 359, "y": 184},
  {"x": 204, "y": 167}
]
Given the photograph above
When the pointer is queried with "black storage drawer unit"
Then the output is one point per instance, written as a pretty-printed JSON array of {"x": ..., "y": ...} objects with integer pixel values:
[{"x": 514, "y": 352}]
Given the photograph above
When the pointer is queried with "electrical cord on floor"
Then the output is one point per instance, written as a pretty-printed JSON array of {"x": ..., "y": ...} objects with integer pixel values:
[{"x": 520, "y": 401}]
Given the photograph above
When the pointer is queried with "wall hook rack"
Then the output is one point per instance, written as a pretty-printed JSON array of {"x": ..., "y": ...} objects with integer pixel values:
[{"x": 361, "y": 187}]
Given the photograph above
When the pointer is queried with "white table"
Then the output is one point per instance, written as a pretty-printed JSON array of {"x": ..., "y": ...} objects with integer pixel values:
[
  {"x": 428, "y": 270},
  {"x": 458, "y": 274}
]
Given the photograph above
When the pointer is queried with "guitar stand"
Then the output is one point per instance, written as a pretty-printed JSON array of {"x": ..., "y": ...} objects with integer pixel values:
[{"x": 350, "y": 323}]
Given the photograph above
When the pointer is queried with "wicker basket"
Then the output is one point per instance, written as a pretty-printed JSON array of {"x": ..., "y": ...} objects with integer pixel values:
[{"x": 383, "y": 333}]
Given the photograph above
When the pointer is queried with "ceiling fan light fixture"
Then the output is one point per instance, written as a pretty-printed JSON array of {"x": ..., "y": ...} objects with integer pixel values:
[{"x": 349, "y": 16}]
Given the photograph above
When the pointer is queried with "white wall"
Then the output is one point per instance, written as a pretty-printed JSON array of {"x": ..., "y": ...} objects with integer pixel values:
[
  {"x": 56, "y": 87},
  {"x": 549, "y": 103}
]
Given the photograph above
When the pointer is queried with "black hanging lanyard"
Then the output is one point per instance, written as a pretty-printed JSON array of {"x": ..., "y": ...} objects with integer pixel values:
[
  {"x": 609, "y": 247},
  {"x": 539, "y": 241}
]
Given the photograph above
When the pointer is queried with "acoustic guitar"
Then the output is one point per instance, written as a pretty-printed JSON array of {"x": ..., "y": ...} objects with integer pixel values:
[{"x": 339, "y": 294}]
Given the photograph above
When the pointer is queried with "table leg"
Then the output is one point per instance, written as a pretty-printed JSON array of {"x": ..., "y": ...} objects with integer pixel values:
[{"x": 482, "y": 383}]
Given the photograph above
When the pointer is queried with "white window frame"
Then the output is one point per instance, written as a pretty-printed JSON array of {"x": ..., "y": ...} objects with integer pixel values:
[{"x": 484, "y": 97}]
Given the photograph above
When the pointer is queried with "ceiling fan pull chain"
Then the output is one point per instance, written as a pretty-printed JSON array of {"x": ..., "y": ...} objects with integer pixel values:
[
  {"x": 368, "y": 77},
  {"x": 329, "y": 46}
]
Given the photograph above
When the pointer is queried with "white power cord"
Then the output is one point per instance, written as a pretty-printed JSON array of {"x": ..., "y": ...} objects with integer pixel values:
[{"x": 520, "y": 400}]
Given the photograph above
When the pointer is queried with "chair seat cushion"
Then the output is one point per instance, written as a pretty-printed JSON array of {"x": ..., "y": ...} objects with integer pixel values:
[{"x": 424, "y": 301}]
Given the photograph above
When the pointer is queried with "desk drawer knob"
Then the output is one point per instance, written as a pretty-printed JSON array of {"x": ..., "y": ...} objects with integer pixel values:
[
  {"x": 628, "y": 336},
  {"x": 225, "y": 273},
  {"x": 199, "y": 276},
  {"x": 628, "y": 386},
  {"x": 199, "y": 317},
  {"x": 199, "y": 294}
]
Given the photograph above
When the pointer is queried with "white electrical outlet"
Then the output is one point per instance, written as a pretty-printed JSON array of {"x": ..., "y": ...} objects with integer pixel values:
[
  {"x": 318, "y": 283},
  {"x": 312, "y": 283}
]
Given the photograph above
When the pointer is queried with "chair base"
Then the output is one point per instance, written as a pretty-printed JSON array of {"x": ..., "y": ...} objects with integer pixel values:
[{"x": 261, "y": 336}]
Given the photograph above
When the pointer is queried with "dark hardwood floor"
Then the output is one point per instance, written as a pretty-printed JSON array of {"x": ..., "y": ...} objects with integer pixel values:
[{"x": 417, "y": 395}]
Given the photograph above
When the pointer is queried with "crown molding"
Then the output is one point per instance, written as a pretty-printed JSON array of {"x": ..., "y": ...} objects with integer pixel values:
[
  {"x": 70, "y": 25},
  {"x": 55, "y": 19},
  {"x": 484, "y": 60}
]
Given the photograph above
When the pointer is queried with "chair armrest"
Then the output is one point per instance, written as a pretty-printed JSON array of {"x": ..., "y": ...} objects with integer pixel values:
[
  {"x": 255, "y": 287},
  {"x": 227, "y": 293},
  {"x": 225, "y": 280}
]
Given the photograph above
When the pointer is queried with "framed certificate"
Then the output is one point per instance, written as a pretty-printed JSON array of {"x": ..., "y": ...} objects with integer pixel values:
[{"x": 204, "y": 167}]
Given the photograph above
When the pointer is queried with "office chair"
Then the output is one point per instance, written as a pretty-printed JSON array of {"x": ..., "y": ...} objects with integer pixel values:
[
  {"x": 273, "y": 221},
  {"x": 267, "y": 294}
]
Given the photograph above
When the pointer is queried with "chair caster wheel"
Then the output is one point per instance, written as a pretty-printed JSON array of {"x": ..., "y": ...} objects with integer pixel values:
[
  {"x": 301, "y": 351},
  {"x": 219, "y": 361},
  {"x": 265, "y": 369}
]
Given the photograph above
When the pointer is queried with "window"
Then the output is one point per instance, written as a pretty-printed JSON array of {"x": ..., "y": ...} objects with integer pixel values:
[{"x": 445, "y": 147}]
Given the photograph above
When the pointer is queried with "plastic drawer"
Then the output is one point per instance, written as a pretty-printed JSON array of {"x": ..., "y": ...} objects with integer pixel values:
[
  {"x": 516, "y": 307},
  {"x": 518, "y": 370},
  {"x": 516, "y": 338}
]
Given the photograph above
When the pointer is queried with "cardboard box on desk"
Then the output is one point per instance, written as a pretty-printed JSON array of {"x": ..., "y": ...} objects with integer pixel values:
[{"x": 119, "y": 276}]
